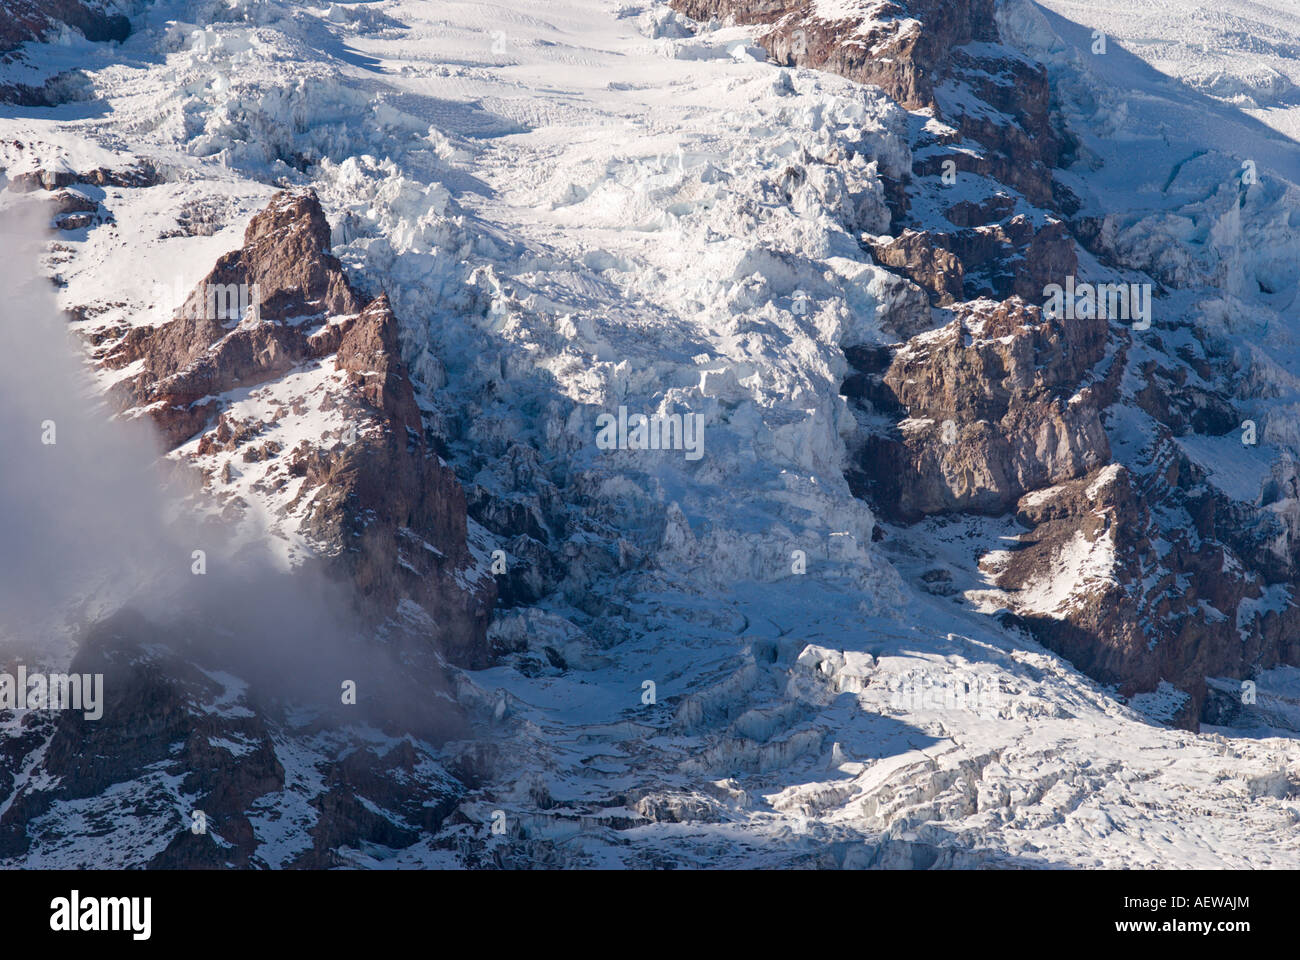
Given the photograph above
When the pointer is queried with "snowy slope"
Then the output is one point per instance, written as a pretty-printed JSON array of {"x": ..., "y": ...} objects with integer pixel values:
[
  {"x": 580, "y": 205},
  {"x": 1238, "y": 52}
]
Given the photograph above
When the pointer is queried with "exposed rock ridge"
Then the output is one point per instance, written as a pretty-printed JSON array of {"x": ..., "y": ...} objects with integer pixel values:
[
  {"x": 34, "y": 20},
  {"x": 371, "y": 493}
]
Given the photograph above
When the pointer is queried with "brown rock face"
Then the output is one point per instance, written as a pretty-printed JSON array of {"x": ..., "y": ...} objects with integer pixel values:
[
  {"x": 374, "y": 499},
  {"x": 993, "y": 355},
  {"x": 286, "y": 284},
  {"x": 915, "y": 254},
  {"x": 26, "y": 20},
  {"x": 897, "y": 46},
  {"x": 1144, "y": 603},
  {"x": 998, "y": 260},
  {"x": 738, "y": 11},
  {"x": 67, "y": 202},
  {"x": 1003, "y": 409},
  {"x": 286, "y": 255},
  {"x": 390, "y": 474},
  {"x": 965, "y": 213},
  {"x": 142, "y": 174},
  {"x": 994, "y": 409},
  {"x": 1098, "y": 627}
]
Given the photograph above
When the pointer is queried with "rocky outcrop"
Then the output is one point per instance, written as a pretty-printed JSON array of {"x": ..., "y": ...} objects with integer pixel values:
[
  {"x": 34, "y": 20},
  {"x": 998, "y": 260},
  {"x": 916, "y": 254},
  {"x": 75, "y": 210},
  {"x": 261, "y": 311},
  {"x": 898, "y": 46},
  {"x": 737, "y": 11},
  {"x": 141, "y": 174},
  {"x": 995, "y": 406},
  {"x": 370, "y": 494},
  {"x": 1132, "y": 602},
  {"x": 71, "y": 197}
]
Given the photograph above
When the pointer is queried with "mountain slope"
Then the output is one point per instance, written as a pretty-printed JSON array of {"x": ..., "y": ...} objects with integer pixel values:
[{"x": 594, "y": 205}]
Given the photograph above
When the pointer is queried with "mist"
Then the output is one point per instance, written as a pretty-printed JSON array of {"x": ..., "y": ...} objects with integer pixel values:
[
  {"x": 83, "y": 520},
  {"x": 94, "y": 523}
]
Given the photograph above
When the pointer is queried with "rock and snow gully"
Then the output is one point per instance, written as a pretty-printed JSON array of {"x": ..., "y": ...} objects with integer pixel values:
[{"x": 957, "y": 581}]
